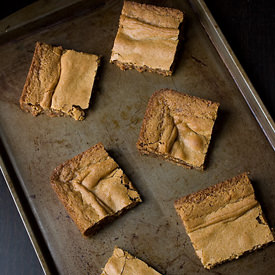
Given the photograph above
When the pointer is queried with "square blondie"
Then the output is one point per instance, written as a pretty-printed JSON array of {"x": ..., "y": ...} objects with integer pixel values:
[
  {"x": 177, "y": 127},
  {"x": 59, "y": 82},
  {"x": 147, "y": 38},
  {"x": 93, "y": 189},
  {"x": 123, "y": 263},
  {"x": 224, "y": 221}
]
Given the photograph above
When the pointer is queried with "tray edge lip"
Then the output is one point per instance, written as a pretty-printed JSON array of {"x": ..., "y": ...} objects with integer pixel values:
[{"x": 20, "y": 209}]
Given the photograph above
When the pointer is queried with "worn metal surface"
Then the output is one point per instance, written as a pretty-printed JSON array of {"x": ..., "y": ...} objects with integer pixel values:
[{"x": 151, "y": 231}]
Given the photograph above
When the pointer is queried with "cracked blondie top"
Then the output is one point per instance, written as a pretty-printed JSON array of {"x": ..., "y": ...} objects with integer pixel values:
[
  {"x": 59, "y": 82},
  {"x": 93, "y": 189},
  {"x": 122, "y": 263},
  {"x": 178, "y": 127},
  {"x": 224, "y": 221},
  {"x": 147, "y": 38}
]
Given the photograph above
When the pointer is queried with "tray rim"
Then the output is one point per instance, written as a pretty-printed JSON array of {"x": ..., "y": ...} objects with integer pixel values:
[
  {"x": 22, "y": 213},
  {"x": 236, "y": 71}
]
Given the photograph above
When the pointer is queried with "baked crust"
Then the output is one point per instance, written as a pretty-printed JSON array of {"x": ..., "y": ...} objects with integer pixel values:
[
  {"x": 141, "y": 69},
  {"x": 123, "y": 263},
  {"x": 177, "y": 127},
  {"x": 224, "y": 221},
  {"x": 42, "y": 79},
  {"x": 147, "y": 38},
  {"x": 59, "y": 82},
  {"x": 93, "y": 189}
]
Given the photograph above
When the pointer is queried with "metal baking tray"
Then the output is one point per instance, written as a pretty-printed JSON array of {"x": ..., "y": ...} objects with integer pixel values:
[{"x": 32, "y": 147}]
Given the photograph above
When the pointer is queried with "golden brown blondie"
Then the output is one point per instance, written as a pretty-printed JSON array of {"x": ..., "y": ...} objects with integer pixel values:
[
  {"x": 123, "y": 263},
  {"x": 147, "y": 38},
  {"x": 177, "y": 127},
  {"x": 59, "y": 82},
  {"x": 93, "y": 189},
  {"x": 224, "y": 221}
]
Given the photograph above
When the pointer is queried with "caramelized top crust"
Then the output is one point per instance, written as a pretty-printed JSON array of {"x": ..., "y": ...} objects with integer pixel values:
[
  {"x": 153, "y": 15},
  {"x": 229, "y": 198},
  {"x": 42, "y": 77},
  {"x": 179, "y": 126},
  {"x": 75, "y": 85},
  {"x": 228, "y": 191},
  {"x": 92, "y": 186},
  {"x": 123, "y": 263},
  {"x": 147, "y": 36}
]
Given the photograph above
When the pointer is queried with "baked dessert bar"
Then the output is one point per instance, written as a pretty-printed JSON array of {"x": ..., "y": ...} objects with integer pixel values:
[
  {"x": 59, "y": 82},
  {"x": 177, "y": 127},
  {"x": 93, "y": 189},
  {"x": 122, "y": 263},
  {"x": 147, "y": 38},
  {"x": 224, "y": 221}
]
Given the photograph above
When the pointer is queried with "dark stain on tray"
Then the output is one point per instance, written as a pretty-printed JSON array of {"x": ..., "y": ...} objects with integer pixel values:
[{"x": 198, "y": 61}]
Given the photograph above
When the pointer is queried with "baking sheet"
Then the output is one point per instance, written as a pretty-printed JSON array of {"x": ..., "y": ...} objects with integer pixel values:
[{"x": 151, "y": 231}]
